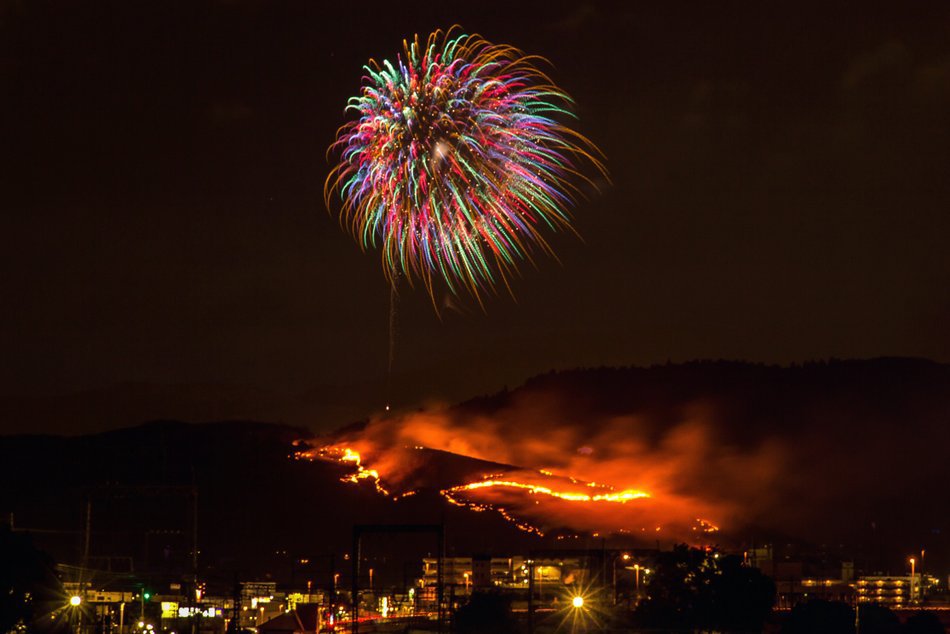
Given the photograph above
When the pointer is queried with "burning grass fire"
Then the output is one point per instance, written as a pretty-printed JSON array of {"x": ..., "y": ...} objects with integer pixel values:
[
  {"x": 551, "y": 464},
  {"x": 601, "y": 452},
  {"x": 509, "y": 486},
  {"x": 621, "y": 497},
  {"x": 534, "y": 500},
  {"x": 348, "y": 456}
]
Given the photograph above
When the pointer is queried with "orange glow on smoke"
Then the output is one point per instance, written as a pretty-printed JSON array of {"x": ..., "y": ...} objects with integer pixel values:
[{"x": 543, "y": 468}]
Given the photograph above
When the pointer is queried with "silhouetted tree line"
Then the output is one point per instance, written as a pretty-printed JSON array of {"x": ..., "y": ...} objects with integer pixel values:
[
  {"x": 695, "y": 590},
  {"x": 31, "y": 595}
]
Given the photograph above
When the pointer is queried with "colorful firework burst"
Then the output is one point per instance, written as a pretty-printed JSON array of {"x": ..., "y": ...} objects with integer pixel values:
[{"x": 457, "y": 162}]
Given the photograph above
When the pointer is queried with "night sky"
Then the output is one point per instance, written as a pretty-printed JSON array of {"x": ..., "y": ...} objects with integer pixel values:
[{"x": 780, "y": 193}]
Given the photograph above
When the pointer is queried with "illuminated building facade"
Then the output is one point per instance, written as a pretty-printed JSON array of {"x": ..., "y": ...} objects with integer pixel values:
[
  {"x": 799, "y": 577},
  {"x": 889, "y": 590},
  {"x": 467, "y": 573}
]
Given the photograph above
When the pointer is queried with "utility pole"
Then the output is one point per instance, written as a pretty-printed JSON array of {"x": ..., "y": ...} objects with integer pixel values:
[
  {"x": 87, "y": 529},
  {"x": 194, "y": 529},
  {"x": 194, "y": 557},
  {"x": 531, "y": 596},
  {"x": 235, "y": 625},
  {"x": 355, "y": 598},
  {"x": 332, "y": 593}
]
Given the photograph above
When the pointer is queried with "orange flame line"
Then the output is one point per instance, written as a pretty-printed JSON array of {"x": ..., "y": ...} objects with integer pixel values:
[{"x": 621, "y": 497}]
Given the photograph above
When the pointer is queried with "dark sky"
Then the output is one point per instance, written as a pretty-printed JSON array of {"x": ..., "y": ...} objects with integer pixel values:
[{"x": 780, "y": 193}]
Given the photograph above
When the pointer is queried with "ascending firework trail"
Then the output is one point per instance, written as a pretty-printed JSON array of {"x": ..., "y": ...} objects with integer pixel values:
[{"x": 393, "y": 305}]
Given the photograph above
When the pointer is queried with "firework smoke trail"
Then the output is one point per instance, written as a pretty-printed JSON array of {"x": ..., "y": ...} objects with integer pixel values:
[
  {"x": 393, "y": 297},
  {"x": 456, "y": 164},
  {"x": 393, "y": 315}
]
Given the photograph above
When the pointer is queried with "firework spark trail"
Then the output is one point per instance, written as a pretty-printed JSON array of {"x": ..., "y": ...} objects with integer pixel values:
[
  {"x": 393, "y": 306},
  {"x": 393, "y": 322},
  {"x": 456, "y": 163}
]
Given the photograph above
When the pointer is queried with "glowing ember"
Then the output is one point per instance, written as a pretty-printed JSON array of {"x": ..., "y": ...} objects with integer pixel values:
[{"x": 705, "y": 526}]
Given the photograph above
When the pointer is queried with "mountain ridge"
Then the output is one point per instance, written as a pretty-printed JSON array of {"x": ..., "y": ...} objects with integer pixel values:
[{"x": 837, "y": 423}]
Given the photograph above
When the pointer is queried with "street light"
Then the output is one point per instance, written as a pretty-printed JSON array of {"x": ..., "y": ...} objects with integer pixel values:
[
  {"x": 912, "y": 576},
  {"x": 578, "y": 601},
  {"x": 75, "y": 600},
  {"x": 625, "y": 557}
]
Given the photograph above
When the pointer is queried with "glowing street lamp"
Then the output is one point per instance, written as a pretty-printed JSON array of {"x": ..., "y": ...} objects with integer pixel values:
[
  {"x": 625, "y": 557},
  {"x": 913, "y": 562},
  {"x": 75, "y": 600},
  {"x": 578, "y": 615}
]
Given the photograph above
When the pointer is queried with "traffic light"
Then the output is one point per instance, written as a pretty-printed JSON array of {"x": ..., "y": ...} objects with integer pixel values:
[{"x": 146, "y": 595}]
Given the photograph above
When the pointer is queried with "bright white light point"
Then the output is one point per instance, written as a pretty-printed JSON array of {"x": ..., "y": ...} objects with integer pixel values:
[
  {"x": 439, "y": 151},
  {"x": 75, "y": 600},
  {"x": 577, "y": 602}
]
